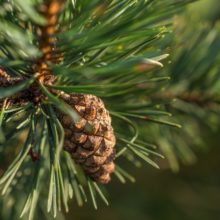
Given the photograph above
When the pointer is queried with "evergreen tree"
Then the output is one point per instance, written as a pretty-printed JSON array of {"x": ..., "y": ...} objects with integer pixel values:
[{"x": 67, "y": 68}]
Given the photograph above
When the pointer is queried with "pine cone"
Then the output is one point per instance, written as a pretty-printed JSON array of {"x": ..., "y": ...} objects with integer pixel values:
[
  {"x": 6, "y": 80},
  {"x": 94, "y": 149}
]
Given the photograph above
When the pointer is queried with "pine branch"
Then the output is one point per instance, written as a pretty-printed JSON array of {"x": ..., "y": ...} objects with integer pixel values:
[
  {"x": 60, "y": 56},
  {"x": 193, "y": 93},
  {"x": 46, "y": 37}
]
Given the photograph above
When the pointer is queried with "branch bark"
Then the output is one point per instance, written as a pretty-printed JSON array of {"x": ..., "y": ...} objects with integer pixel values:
[{"x": 47, "y": 39}]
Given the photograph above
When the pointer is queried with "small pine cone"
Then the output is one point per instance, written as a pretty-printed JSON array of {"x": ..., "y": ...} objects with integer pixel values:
[
  {"x": 7, "y": 80},
  {"x": 92, "y": 148}
]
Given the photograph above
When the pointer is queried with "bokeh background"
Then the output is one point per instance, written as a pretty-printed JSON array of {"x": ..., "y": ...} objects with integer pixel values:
[{"x": 193, "y": 192}]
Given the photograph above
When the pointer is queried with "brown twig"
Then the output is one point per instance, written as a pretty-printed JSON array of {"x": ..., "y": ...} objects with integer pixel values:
[{"x": 47, "y": 40}]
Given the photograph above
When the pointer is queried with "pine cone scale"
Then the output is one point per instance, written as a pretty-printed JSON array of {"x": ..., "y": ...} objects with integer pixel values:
[{"x": 94, "y": 149}]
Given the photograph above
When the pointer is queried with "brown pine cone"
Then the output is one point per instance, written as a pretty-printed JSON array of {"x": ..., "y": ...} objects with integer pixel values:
[
  {"x": 94, "y": 149},
  {"x": 6, "y": 80}
]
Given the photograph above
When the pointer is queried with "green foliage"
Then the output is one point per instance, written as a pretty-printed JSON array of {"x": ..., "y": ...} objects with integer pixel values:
[
  {"x": 194, "y": 89},
  {"x": 111, "y": 49}
]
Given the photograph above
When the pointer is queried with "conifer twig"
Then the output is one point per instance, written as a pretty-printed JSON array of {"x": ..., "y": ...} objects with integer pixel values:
[{"x": 46, "y": 38}]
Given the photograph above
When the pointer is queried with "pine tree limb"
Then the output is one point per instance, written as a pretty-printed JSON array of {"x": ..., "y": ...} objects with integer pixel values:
[{"x": 50, "y": 11}]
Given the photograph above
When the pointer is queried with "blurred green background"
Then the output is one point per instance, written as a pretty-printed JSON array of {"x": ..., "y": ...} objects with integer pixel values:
[{"x": 191, "y": 194}]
